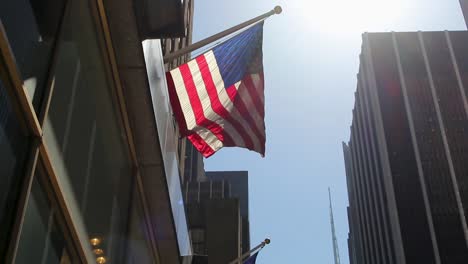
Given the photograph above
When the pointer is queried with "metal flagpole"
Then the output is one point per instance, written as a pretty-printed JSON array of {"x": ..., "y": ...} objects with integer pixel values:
[
  {"x": 201, "y": 43},
  {"x": 260, "y": 246}
]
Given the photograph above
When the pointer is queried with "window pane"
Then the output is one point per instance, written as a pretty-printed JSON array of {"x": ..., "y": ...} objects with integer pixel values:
[
  {"x": 138, "y": 249},
  {"x": 84, "y": 136},
  {"x": 31, "y": 27},
  {"x": 41, "y": 240},
  {"x": 13, "y": 149}
]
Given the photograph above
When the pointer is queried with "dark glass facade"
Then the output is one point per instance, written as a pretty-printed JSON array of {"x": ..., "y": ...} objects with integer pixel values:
[
  {"x": 406, "y": 158},
  {"x": 218, "y": 215},
  {"x": 13, "y": 151},
  {"x": 76, "y": 185}
]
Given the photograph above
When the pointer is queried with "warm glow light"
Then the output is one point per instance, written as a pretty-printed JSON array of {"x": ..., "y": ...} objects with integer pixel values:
[
  {"x": 98, "y": 251},
  {"x": 95, "y": 241},
  {"x": 101, "y": 260}
]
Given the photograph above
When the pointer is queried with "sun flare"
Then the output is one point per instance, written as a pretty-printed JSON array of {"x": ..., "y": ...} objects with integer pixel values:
[{"x": 351, "y": 16}]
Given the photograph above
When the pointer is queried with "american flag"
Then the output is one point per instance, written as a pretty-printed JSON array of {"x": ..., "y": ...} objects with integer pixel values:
[{"x": 218, "y": 98}]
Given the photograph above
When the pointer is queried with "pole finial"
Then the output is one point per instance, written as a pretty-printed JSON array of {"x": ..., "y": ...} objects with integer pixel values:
[
  {"x": 267, "y": 241},
  {"x": 278, "y": 10}
]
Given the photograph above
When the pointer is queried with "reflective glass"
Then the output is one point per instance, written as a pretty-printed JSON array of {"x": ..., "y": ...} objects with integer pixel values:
[
  {"x": 138, "y": 249},
  {"x": 41, "y": 240},
  {"x": 31, "y": 27},
  {"x": 84, "y": 137},
  {"x": 13, "y": 149}
]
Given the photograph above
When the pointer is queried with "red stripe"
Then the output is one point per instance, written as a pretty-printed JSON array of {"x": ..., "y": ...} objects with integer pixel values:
[
  {"x": 175, "y": 103},
  {"x": 256, "y": 99},
  {"x": 239, "y": 104},
  {"x": 216, "y": 103},
  {"x": 201, "y": 145},
  {"x": 197, "y": 107}
]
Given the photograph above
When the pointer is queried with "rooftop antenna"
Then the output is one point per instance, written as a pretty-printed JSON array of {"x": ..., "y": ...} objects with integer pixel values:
[{"x": 336, "y": 252}]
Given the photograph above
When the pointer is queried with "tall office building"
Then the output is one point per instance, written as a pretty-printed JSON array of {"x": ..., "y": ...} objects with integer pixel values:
[
  {"x": 406, "y": 160},
  {"x": 218, "y": 216},
  {"x": 464, "y": 7},
  {"x": 89, "y": 155}
]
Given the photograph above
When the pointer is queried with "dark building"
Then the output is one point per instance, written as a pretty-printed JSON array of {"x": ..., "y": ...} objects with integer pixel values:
[
  {"x": 217, "y": 212},
  {"x": 89, "y": 154},
  {"x": 238, "y": 188},
  {"x": 406, "y": 160},
  {"x": 464, "y": 7}
]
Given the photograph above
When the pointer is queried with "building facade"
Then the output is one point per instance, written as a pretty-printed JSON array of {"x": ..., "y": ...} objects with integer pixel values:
[
  {"x": 89, "y": 154},
  {"x": 464, "y": 8},
  {"x": 218, "y": 215},
  {"x": 406, "y": 160}
]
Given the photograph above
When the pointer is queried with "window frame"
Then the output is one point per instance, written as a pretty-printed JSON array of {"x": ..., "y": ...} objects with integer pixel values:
[{"x": 32, "y": 122}]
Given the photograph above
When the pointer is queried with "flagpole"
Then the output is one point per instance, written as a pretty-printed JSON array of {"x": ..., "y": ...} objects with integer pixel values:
[
  {"x": 258, "y": 247},
  {"x": 204, "y": 42}
]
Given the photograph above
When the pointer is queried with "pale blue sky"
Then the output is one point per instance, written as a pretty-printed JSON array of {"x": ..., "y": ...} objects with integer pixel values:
[{"x": 311, "y": 56}]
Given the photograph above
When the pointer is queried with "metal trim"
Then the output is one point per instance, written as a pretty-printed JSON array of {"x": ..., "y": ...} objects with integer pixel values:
[
  {"x": 385, "y": 161},
  {"x": 444, "y": 138},
  {"x": 54, "y": 182},
  {"x": 373, "y": 148},
  {"x": 457, "y": 71},
  {"x": 109, "y": 53},
  {"x": 21, "y": 206},
  {"x": 370, "y": 170},
  {"x": 416, "y": 149},
  {"x": 26, "y": 108}
]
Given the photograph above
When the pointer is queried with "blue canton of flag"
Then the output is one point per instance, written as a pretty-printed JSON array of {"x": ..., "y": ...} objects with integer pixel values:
[{"x": 251, "y": 259}]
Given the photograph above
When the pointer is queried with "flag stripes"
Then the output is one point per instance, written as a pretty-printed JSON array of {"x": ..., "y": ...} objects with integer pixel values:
[{"x": 213, "y": 115}]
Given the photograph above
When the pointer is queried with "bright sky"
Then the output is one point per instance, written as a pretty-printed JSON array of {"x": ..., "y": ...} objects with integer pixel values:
[{"x": 311, "y": 60}]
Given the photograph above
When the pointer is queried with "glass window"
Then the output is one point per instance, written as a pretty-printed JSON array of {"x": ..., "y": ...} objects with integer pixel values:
[
  {"x": 13, "y": 149},
  {"x": 83, "y": 134},
  {"x": 198, "y": 241},
  {"x": 31, "y": 27},
  {"x": 41, "y": 239},
  {"x": 138, "y": 249}
]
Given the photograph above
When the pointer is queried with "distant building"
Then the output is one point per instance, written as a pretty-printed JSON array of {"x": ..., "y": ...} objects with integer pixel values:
[
  {"x": 464, "y": 7},
  {"x": 217, "y": 209},
  {"x": 238, "y": 188},
  {"x": 406, "y": 160}
]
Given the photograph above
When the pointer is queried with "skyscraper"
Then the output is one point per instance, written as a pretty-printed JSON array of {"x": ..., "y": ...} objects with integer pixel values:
[
  {"x": 464, "y": 7},
  {"x": 406, "y": 160},
  {"x": 218, "y": 215}
]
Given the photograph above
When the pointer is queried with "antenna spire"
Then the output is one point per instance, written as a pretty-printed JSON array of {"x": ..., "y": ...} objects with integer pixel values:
[{"x": 336, "y": 252}]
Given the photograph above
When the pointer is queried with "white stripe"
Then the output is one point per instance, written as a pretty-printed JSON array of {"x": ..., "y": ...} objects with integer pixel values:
[
  {"x": 184, "y": 100},
  {"x": 208, "y": 110},
  {"x": 258, "y": 86},
  {"x": 256, "y": 141},
  {"x": 209, "y": 138},
  {"x": 226, "y": 100},
  {"x": 253, "y": 112}
]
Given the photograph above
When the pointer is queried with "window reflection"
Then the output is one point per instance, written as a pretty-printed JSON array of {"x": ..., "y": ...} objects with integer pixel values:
[
  {"x": 41, "y": 240},
  {"x": 31, "y": 27},
  {"x": 138, "y": 250},
  {"x": 84, "y": 137},
  {"x": 13, "y": 149}
]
